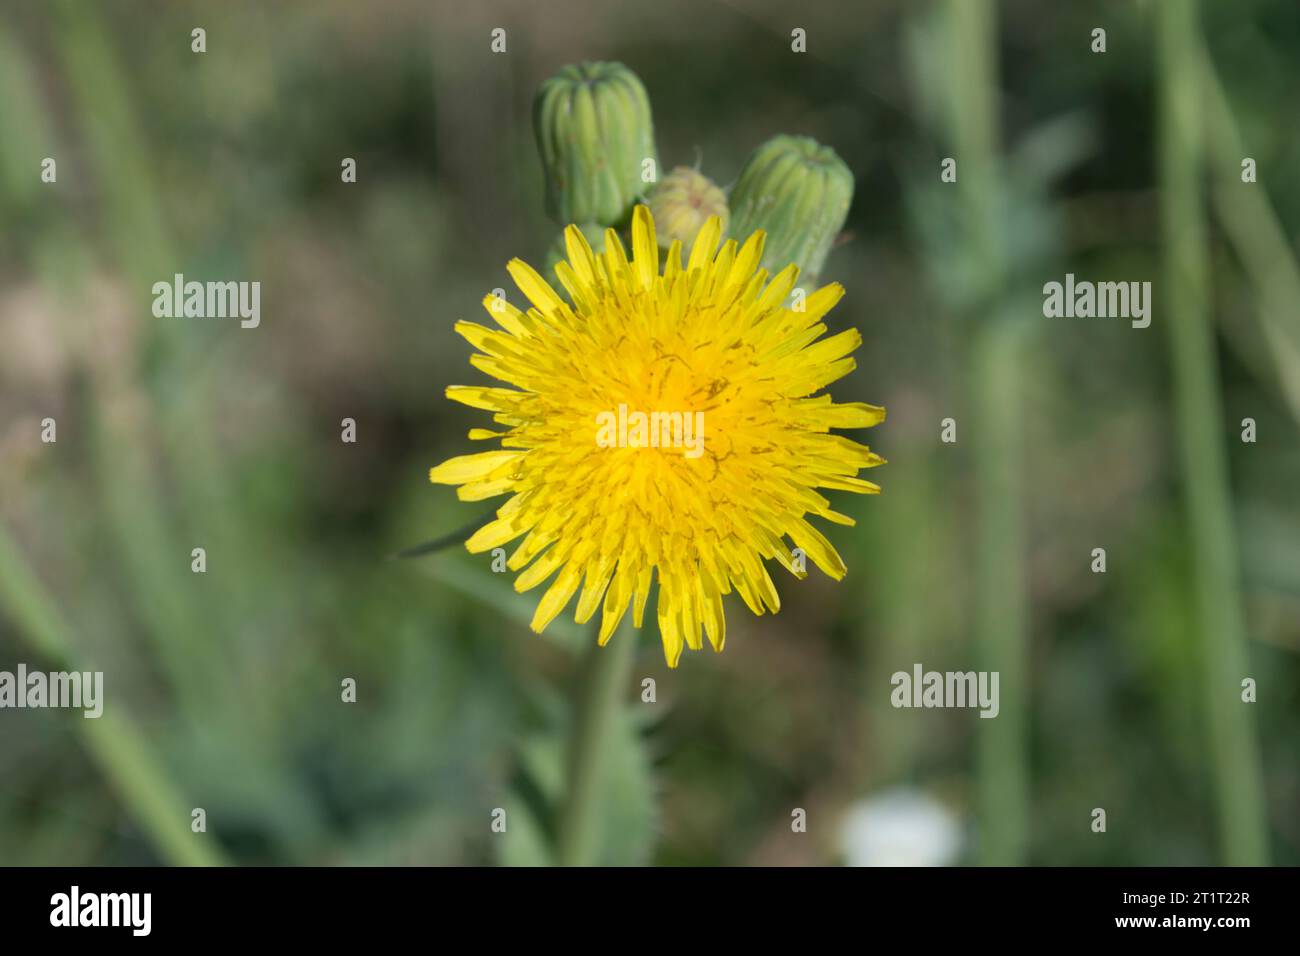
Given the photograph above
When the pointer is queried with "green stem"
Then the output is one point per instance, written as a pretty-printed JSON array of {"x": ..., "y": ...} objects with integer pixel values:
[
  {"x": 606, "y": 673},
  {"x": 899, "y": 626},
  {"x": 1000, "y": 594},
  {"x": 113, "y": 741},
  {"x": 972, "y": 40},
  {"x": 152, "y": 557},
  {"x": 1199, "y": 410},
  {"x": 1253, "y": 228},
  {"x": 1001, "y": 598}
]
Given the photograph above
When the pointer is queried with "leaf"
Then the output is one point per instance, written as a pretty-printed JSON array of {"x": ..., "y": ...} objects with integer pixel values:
[
  {"x": 628, "y": 807},
  {"x": 628, "y": 818},
  {"x": 525, "y": 842}
]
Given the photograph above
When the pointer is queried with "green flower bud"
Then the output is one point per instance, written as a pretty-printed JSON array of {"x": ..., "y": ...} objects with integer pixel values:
[
  {"x": 595, "y": 236},
  {"x": 682, "y": 202},
  {"x": 798, "y": 192},
  {"x": 594, "y": 134}
]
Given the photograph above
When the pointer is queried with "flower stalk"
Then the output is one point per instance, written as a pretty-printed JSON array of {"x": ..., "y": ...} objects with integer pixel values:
[
  {"x": 606, "y": 671},
  {"x": 1001, "y": 600},
  {"x": 1198, "y": 407}
]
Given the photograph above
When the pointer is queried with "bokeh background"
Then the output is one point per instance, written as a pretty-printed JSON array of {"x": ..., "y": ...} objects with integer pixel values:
[{"x": 1119, "y": 690}]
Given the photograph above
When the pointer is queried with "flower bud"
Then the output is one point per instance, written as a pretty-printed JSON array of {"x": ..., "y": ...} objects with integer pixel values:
[
  {"x": 682, "y": 202},
  {"x": 594, "y": 134},
  {"x": 798, "y": 192}
]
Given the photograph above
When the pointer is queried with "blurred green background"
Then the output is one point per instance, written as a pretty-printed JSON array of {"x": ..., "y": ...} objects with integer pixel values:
[{"x": 1119, "y": 690}]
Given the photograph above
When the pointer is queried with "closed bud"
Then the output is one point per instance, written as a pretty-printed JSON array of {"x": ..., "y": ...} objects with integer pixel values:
[
  {"x": 594, "y": 134},
  {"x": 682, "y": 202},
  {"x": 798, "y": 192}
]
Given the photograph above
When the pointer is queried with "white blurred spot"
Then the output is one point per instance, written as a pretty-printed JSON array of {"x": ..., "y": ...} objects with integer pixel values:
[{"x": 902, "y": 827}]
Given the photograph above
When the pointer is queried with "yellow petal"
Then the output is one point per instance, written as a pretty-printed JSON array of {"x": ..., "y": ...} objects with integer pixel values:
[
  {"x": 537, "y": 289},
  {"x": 706, "y": 244},
  {"x": 556, "y": 597},
  {"x": 581, "y": 258},
  {"x": 645, "y": 253},
  {"x": 457, "y": 471}
]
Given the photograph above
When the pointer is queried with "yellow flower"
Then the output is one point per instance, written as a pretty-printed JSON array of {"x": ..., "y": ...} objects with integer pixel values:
[{"x": 606, "y": 501}]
